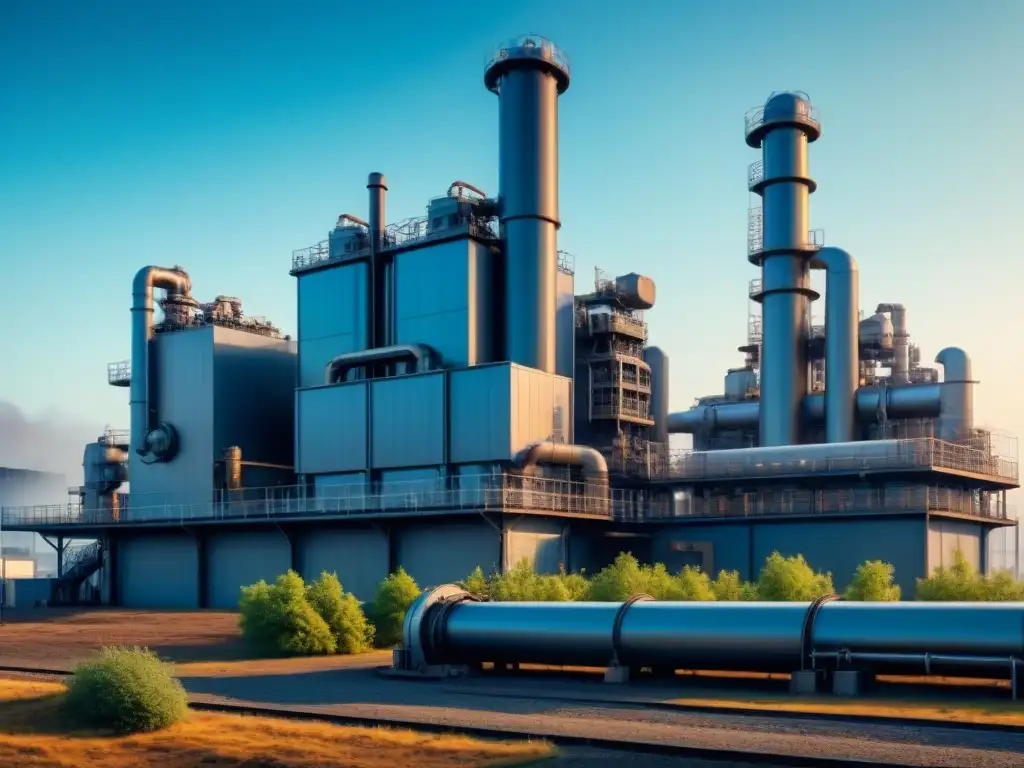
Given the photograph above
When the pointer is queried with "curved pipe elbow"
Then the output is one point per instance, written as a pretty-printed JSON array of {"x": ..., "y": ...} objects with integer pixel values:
[
  {"x": 956, "y": 366},
  {"x": 173, "y": 279},
  {"x": 835, "y": 260},
  {"x": 593, "y": 464},
  {"x": 420, "y": 354},
  {"x": 465, "y": 185}
]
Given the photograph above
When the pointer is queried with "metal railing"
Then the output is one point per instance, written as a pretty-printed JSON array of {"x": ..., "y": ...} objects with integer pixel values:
[
  {"x": 566, "y": 263},
  {"x": 615, "y": 411},
  {"x": 119, "y": 374},
  {"x": 755, "y": 234},
  {"x": 887, "y": 499},
  {"x": 912, "y": 454},
  {"x": 755, "y": 173},
  {"x": 754, "y": 118},
  {"x": 530, "y": 45},
  {"x": 461, "y": 493}
]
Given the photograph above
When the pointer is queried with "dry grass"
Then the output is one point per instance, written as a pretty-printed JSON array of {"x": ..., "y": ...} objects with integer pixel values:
[
  {"x": 31, "y": 734},
  {"x": 292, "y": 666}
]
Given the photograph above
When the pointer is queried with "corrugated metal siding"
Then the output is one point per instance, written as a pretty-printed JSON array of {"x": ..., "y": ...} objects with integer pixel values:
[
  {"x": 359, "y": 557},
  {"x": 331, "y": 427},
  {"x": 332, "y": 318},
  {"x": 158, "y": 570},
  {"x": 541, "y": 408},
  {"x": 435, "y": 552},
  {"x": 236, "y": 559},
  {"x": 541, "y": 542},
  {"x": 408, "y": 421},
  {"x": 479, "y": 423},
  {"x": 945, "y": 537},
  {"x": 483, "y": 305},
  {"x": 565, "y": 325}
]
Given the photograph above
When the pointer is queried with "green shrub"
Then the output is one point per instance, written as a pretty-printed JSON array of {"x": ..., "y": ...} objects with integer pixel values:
[
  {"x": 957, "y": 582},
  {"x": 277, "y": 619},
  {"x": 477, "y": 584},
  {"x": 791, "y": 579},
  {"x": 343, "y": 614},
  {"x": 873, "y": 582},
  {"x": 730, "y": 587},
  {"x": 125, "y": 690},
  {"x": 1001, "y": 586},
  {"x": 394, "y": 596}
]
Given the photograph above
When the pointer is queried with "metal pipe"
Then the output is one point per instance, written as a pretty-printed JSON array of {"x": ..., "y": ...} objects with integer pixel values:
[
  {"x": 379, "y": 288},
  {"x": 419, "y": 354},
  {"x": 842, "y": 329},
  {"x": 659, "y": 364},
  {"x": 450, "y": 626},
  {"x": 900, "y": 371},
  {"x": 148, "y": 437},
  {"x": 783, "y": 131},
  {"x": 353, "y": 219},
  {"x": 529, "y": 74},
  {"x": 956, "y": 408},
  {"x": 910, "y": 401},
  {"x": 593, "y": 464},
  {"x": 459, "y": 183}
]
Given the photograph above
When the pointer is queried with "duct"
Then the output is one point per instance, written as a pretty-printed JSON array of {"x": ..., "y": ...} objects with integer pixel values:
[
  {"x": 659, "y": 364},
  {"x": 420, "y": 355},
  {"x": 450, "y": 626},
  {"x": 151, "y": 438},
  {"x": 842, "y": 327},
  {"x": 956, "y": 401},
  {"x": 910, "y": 401},
  {"x": 783, "y": 131},
  {"x": 379, "y": 287},
  {"x": 900, "y": 371},
  {"x": 593, "y": 464},
  {"x": 528, "y": 75}
]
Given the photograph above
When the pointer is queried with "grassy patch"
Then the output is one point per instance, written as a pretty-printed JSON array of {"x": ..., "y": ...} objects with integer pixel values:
[
  {"x": 34, "y": 733},
  {"x": 294, "y": 665}
]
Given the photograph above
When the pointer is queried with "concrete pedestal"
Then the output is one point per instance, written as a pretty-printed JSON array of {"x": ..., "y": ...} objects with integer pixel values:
[
  {"x": 616, "y": 674},
  {"x": 803, "y": 683},
  {"x": 850, "y": 683}
]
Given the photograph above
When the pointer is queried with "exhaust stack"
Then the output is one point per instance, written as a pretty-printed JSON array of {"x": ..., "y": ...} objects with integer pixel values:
[
  {"x": 380, "y": 278},
  {"x": 528, "y": 75},
  {"x": 782, "y": 129},
  {"x": 842, "y": 355}
]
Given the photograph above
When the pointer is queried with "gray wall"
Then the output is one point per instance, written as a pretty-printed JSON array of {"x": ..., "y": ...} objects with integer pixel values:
[
  {"x": 358, "y": 556},
  {"x": 158, "y": 570},
  {"x": 541, "y": 541},
  {"x": 838, "y": 546},
  {"x": 565, "y": 325},
  {"x": 332, "y": 317},
  {"x": 236, "y": 559},
  {"x": 945, "y": 537},
  {"x": 436, "y": 551}
]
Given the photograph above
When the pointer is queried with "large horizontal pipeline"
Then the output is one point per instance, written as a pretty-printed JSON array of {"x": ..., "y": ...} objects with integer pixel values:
[
  {"x": 908, "y": 402},
  {"x": 449, "y": 626}
]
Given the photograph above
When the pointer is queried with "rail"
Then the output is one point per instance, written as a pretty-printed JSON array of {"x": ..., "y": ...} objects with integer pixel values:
[
  {"x": 615, "y": 411},
  {"x": 566, "y": 263},
  {"x": 754, "y": 118},
  {"x": 755, "y": 173},
  {"x": 534, "y": 46},
  {"x": 119, "y": 374},
  {"x": 912, "y": 454},
  {"x": 755, "y": 235}
]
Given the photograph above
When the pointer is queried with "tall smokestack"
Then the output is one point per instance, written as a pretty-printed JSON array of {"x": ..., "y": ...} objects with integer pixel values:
[
  {"x": 380, "y": 272},
  {"x": 529, "y": 74},
  {"x": 783, "y": 129}
]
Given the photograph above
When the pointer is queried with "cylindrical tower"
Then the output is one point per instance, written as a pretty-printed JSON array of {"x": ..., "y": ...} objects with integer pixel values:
[
  {"x": 529, "y": 74},
  {"x": 783, "y": 129},
  {"x": 380, "y": 287}
]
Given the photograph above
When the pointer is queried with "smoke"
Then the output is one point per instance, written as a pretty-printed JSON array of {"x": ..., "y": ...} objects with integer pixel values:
[{"x": 51, "y": 442}]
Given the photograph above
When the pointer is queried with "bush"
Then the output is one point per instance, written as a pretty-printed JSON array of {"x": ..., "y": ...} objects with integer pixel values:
[
  {"x": 126, "y": 690},
  {"x": 343, "y": 614},
  {"x": 791, "y": 579},
  {"x": 277, "y": 619},
  {"x": 873, "y": 582},
  {"x": 394, "y": 596},
  {"x": 730, "y": 587},
  {"x": 961, "y": 581}
]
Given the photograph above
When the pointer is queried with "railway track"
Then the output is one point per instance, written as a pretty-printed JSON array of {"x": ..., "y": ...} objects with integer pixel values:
[{"x": 635, "y": 746}]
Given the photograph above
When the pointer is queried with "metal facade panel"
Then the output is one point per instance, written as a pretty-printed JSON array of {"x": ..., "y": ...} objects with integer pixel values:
[
  {"x": 445, "y": 299},
  {"x": 479, "y": 421},
  {"x": 254, "y": 396},
  {"x": 358, "y": 556},
  {"x": 439, "y": 552},
  {"x": 332, "y": 317},
  {"x": 158, "y": 570},
  {"x": 331, "y": 429},
  {"x": 182, "y": 367},
  {"x": 539, "y": 541},
  {"x": 236, "y": 559},
  {"x": 408, "y": 421},
  {"x": 945, "y": 537},
  {"x": 565, "y": 325},
  {"x": 540, "y": 408}
]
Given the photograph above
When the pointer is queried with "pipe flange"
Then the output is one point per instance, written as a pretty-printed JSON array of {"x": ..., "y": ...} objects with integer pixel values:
[
  {"x": 416, "y": 643},
  {"x": 620, "y": 616},
  {"x": 807, "y": 632}
]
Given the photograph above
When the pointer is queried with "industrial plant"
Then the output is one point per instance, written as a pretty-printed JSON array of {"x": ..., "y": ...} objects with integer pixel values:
[{"x": 453, "y": 399}]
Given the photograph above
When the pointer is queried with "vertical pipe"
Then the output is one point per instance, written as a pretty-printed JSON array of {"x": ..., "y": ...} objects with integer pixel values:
[
  {"x": 658, "y": 361},
  {"x": 783, "y": 130},
  {"x": 529, "y": 74},
  {"x": 900, "y": 371},
  {"x": 379, "y": 288},
  {"x": 842, "y": 358},
  {"x": 956, "y": 399}
]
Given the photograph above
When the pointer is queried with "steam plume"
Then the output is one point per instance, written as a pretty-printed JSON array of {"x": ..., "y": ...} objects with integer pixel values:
[{"x": 51, "y": 442}]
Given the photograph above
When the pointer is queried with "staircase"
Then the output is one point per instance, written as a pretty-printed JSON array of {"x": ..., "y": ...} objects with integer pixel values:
[{"x": 71, "y": 587}]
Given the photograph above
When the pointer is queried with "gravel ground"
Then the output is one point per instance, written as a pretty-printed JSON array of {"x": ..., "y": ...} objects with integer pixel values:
[{"x": 585, "y": 758}]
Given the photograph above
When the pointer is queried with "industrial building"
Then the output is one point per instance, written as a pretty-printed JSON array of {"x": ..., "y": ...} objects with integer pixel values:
[{"x": 450, "y": 401}]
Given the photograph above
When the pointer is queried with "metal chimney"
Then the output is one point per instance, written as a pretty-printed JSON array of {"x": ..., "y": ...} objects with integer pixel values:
[
  {"x": 529, "y": 74},
  {"x": 380, "y": 277},
  {"x": 782, "y": 129}
]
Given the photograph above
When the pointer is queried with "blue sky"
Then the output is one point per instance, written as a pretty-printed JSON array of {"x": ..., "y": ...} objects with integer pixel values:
[{"x": 223, "y": 135}]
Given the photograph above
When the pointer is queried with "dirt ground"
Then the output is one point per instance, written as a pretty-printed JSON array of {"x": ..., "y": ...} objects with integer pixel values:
[{"x": 57, "y": 638}]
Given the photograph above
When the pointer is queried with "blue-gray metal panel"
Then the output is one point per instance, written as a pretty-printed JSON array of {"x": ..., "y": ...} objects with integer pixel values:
[
  {"x": 236, "y": 559},
  {"x": 183, "y": 387},
  {"x": 331, "y": 481},
  {"x": 254, "y": 396},
  {"x": 437, "y": 552},
  {"x": 158, "y": 570},
  {"x": 541, "y": 408},
  {"x": 332, "y": 317},
  {"x": 730, "y": 547},
  {"x": 358, "y": 556},
  {"x": 408, "y": 421},
  {"x": 434, "y": 296},
  {"x": 565, "y": 325},
  {"x": 331, "y": 427},
  {"x": 945, "y": 537},
  {"x": 407, "y": 488},
  {"x": 539, "y": 541},
  {"x": 479, "y": 422},
  {"x": 483, "y": 304}
]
